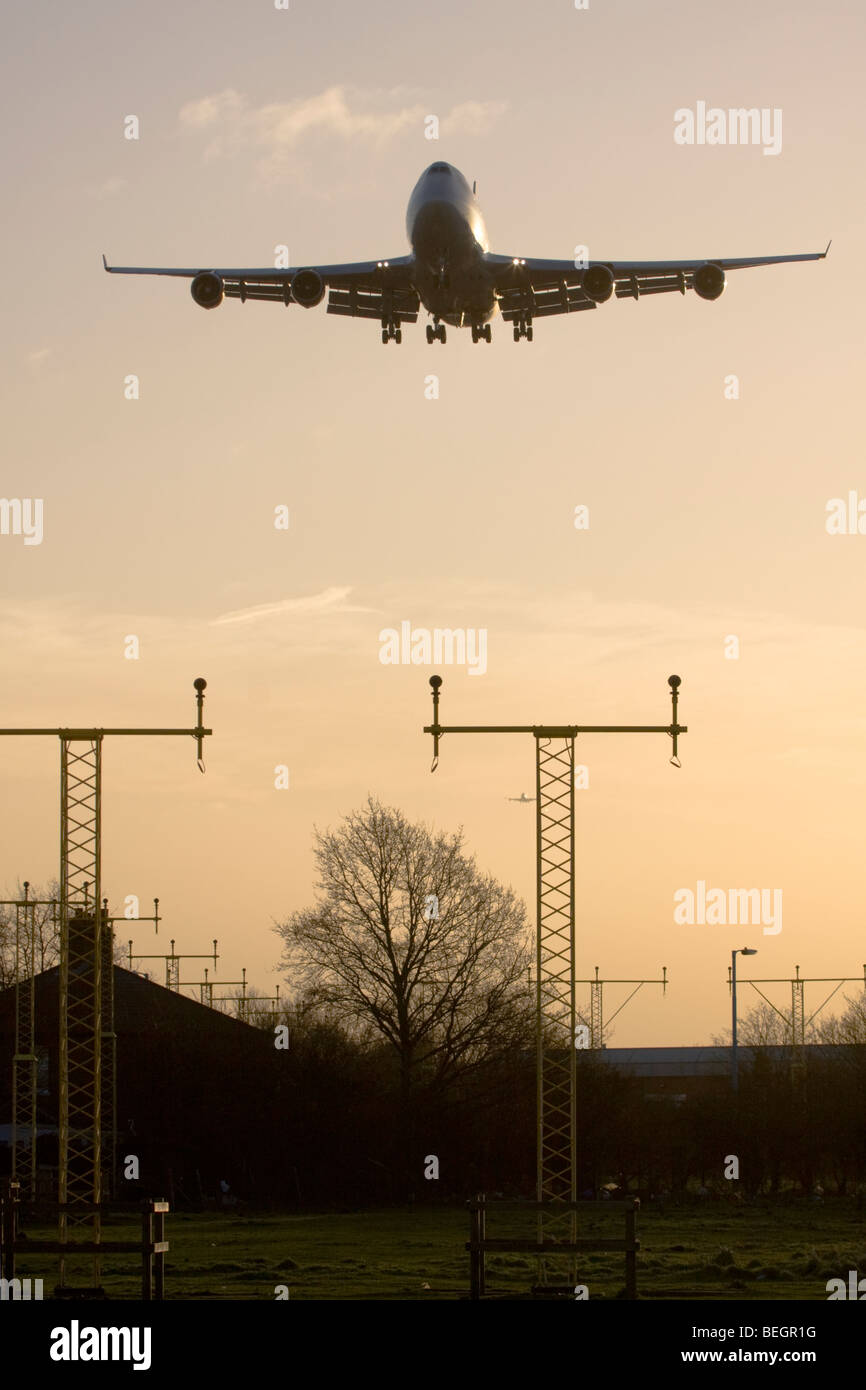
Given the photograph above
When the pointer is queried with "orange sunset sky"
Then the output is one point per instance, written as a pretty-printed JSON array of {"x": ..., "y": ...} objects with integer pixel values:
[{"x": 707, "y": 515}]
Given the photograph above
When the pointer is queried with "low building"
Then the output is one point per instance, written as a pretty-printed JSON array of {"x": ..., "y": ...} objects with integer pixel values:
[{"x": 202, "y": 1098}]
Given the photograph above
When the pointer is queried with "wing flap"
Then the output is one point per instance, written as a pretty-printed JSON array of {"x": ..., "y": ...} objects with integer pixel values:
[
  {"x": 636, "y": 286},
  {"x": 243, "y": 289},
  {"x": 372, "y": 302},
  {"x": 539, "y": 300}
]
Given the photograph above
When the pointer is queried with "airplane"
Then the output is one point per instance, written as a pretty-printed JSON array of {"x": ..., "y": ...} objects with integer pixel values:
[
  {"x": 452, "y": 273},
  {"x": 523, "y": 799}
]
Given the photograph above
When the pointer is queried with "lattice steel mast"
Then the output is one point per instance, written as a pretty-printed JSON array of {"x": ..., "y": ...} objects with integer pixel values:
[
  {"x": 24, "y": 1058},
  {"x": 109, "y": 1046},
  {"x": 82, "y": 968},
  {"x": 172, "y": 962},
  {"x": 556, "y": 1017}
]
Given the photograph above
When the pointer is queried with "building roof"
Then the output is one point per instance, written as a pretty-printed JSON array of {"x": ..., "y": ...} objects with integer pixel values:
[{"x": 693, "y": 1061}]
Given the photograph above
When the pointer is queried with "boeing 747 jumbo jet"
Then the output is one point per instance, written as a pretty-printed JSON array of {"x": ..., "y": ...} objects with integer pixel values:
[{"x": 454, "y": 275}]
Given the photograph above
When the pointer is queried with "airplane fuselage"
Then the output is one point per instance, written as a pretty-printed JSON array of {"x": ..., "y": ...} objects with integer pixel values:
[{"x": 448, "y": 239}]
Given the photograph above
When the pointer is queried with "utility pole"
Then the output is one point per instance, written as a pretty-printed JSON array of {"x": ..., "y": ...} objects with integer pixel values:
[
  {"x": 556, "y": 1072},
  {"x": 82, "y": 968}
]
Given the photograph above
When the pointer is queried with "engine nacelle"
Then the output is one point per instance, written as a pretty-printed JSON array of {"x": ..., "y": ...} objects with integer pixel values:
[
  {"x": 207, "y": 290},
  {"x": 597, "y": 282},
  {"x": 709, "y": 281},
  {"x": 308, "y": 289}
]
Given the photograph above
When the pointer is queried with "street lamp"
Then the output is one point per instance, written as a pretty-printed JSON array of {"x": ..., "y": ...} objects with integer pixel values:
[{"x": 742, "y": 951}]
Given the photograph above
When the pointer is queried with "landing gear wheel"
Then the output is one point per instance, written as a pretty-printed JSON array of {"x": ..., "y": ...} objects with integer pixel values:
[
  {"x": 398, "y": 336},
  {"x": 516, "y": 334},
  {"x": 432, "y": 333},
  {"x": 440, "y": 333},
  {"x": 474, "y": 334},
  {"x": 384, "y": 335},
  {"x": 529, "y": 335},
  {"x": 487, "y": 333}
]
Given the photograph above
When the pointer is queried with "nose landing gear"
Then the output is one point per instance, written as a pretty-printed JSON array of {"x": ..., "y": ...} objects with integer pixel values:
[
  {"x": 481, "y": 332},
  {"x": 523, "y": 329},
  {"x": 391, "y": 329},
  {"x": 436, "y": 334}
]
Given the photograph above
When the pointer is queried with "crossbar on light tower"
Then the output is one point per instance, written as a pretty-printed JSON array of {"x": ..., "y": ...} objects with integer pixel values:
[
  {"x": 596, "y": 1013},
  {"x": 172, "y": 961},
  {"x": 82, "y": 967},
  {"x": 556, "y": 1072},
  {"x": 205, "y": 988},
  {"x": 248, "y": 1006}
]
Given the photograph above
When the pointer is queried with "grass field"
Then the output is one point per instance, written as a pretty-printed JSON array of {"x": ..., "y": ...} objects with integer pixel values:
[{"x": 755, "y": 1253}]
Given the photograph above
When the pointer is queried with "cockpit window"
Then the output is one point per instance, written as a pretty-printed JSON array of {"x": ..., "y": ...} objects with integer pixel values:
[{"x": 440, "y": 169}]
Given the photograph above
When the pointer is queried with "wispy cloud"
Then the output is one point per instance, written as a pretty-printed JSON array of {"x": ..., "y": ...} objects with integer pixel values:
[
  {"x": 328, "y": 601},
  {"x": 472, "y": 118},
  {"x": 374, "y": 117},
  {"x": 207, "y": 111}
]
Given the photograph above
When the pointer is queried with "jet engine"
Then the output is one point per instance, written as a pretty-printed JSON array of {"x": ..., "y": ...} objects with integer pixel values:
[
  {"x": 207, "y": 290},
  {"x": 308, "y": 288},
  {"x": 709, "y": 281},
  {"x": 597, "y": 282}
]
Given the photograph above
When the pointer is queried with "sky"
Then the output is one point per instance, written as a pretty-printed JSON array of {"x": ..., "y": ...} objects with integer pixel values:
[{"x": 707, "y": 510}]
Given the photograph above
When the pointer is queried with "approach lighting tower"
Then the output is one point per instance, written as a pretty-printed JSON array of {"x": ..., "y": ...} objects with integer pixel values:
[
  {"x": 82, "y": 967},
  {"x": 596, "y": 1012},
  {"x": 556, "y": 1015},
  {"x": 797, "y": 1023}
]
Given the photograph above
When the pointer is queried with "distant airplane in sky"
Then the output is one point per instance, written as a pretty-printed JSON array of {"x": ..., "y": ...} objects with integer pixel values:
[
  {"x": 521, "y": 798},
  {"x": 454, "y": 275}
]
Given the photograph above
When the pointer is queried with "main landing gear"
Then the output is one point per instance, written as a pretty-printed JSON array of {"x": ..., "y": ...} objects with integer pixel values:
[
  {"x": 523, "y": 329},
  {"x": 436, "y": 334},
  {"x": 481, "y": 332},
  {"x": 391, "y": 330}
]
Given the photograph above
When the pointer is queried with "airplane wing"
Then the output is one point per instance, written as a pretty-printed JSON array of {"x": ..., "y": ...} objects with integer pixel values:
[
  {"x": 534, "y": 287},
  {"x": 362, "y": 289}
]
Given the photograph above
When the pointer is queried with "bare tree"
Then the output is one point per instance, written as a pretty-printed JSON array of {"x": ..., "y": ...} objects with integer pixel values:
[
  {"x": 763, "y": 1026},
  {"x": 411, "y": 941},
  {"x": 849, "y": 1028}
]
